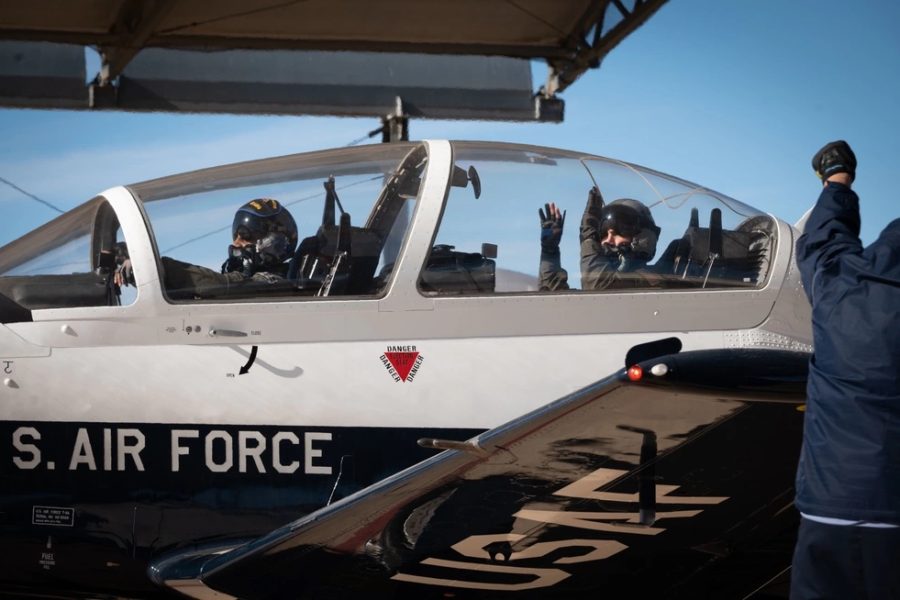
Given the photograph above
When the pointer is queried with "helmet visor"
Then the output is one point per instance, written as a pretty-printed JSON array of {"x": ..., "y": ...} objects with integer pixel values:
[
  {"x": 250, "y": 227},
  {"x": 623, "y": 220}
]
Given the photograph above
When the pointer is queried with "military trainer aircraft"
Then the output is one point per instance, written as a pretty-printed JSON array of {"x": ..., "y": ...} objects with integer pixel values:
[{"x": 405, "y": 412}]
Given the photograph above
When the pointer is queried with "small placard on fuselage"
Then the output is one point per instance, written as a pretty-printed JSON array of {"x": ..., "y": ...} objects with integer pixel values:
[{"x": 53, "y": 515}]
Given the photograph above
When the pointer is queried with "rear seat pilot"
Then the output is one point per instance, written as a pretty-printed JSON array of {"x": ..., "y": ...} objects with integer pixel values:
[{"x": 617, "y": 241}]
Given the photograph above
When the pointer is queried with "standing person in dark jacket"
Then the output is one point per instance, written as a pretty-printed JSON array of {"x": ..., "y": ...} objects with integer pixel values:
[{"x": 848, "y": 480}]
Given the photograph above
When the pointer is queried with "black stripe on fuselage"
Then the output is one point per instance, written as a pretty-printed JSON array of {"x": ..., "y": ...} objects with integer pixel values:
[{"x": 89, "y": 502}]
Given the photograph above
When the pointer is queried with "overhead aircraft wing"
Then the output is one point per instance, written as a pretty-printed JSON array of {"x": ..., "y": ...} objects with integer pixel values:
[
  {"x": 641, "y": 483},
  {"x": 573, "y": 36},
  {"x": 338, "y": 57}
]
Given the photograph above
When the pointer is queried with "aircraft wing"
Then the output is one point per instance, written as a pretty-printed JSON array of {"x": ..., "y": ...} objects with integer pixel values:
[{"x": 671, "y": 482}]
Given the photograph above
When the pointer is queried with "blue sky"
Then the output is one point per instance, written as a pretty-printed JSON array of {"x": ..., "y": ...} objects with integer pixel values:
[{"x": 734, "y": 95}]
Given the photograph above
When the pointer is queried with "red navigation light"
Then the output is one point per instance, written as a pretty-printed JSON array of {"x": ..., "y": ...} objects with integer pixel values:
[{"x": 635, "y": 373}]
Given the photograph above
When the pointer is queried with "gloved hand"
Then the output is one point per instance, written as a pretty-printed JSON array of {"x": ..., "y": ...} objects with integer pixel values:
[
  {"x": 594, "y": 202},
  {"x": 551, "y": 227},
  {"x": 834, "y": 157},
  {"x": 124, "y": 274},
  {"x": 592, "y": 216},
  {"x": 266, "y": 277}
]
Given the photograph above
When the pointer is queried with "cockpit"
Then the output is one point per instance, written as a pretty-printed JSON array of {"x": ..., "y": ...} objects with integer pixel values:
[
  {"x": 706, "y": 240},
  {"x": 355, "y": 210}
]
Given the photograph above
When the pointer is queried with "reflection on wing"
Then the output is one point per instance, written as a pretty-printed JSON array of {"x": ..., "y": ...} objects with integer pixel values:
[{"x": 663, "y": 479}]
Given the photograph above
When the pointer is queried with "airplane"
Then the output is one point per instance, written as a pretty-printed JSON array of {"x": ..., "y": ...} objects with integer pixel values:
[{"x": 407, "y": 414}]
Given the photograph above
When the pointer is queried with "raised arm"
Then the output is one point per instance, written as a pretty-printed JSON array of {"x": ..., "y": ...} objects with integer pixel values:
[
  {"x": 551, "y": 275},
  {"x": 831, "y": 235}
]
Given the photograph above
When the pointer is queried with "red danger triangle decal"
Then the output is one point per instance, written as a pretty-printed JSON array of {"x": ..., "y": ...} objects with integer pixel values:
[{"x": 402, "y": 362}]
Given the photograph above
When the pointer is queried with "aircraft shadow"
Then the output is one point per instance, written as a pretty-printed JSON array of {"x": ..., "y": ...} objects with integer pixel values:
[{"x": 292, "y": 373}]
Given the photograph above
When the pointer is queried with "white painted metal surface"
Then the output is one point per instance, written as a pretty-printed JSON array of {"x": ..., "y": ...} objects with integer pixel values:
[{"x": 485, "y": 359}]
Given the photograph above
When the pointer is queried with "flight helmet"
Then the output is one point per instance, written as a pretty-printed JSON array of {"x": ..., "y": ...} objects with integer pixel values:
[
  {"x": 269, "y": 226},
  {"x": 633, "y": 219}
]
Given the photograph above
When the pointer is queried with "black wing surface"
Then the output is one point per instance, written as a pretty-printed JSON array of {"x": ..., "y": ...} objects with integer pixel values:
[{"x": 672, "y": 479}]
